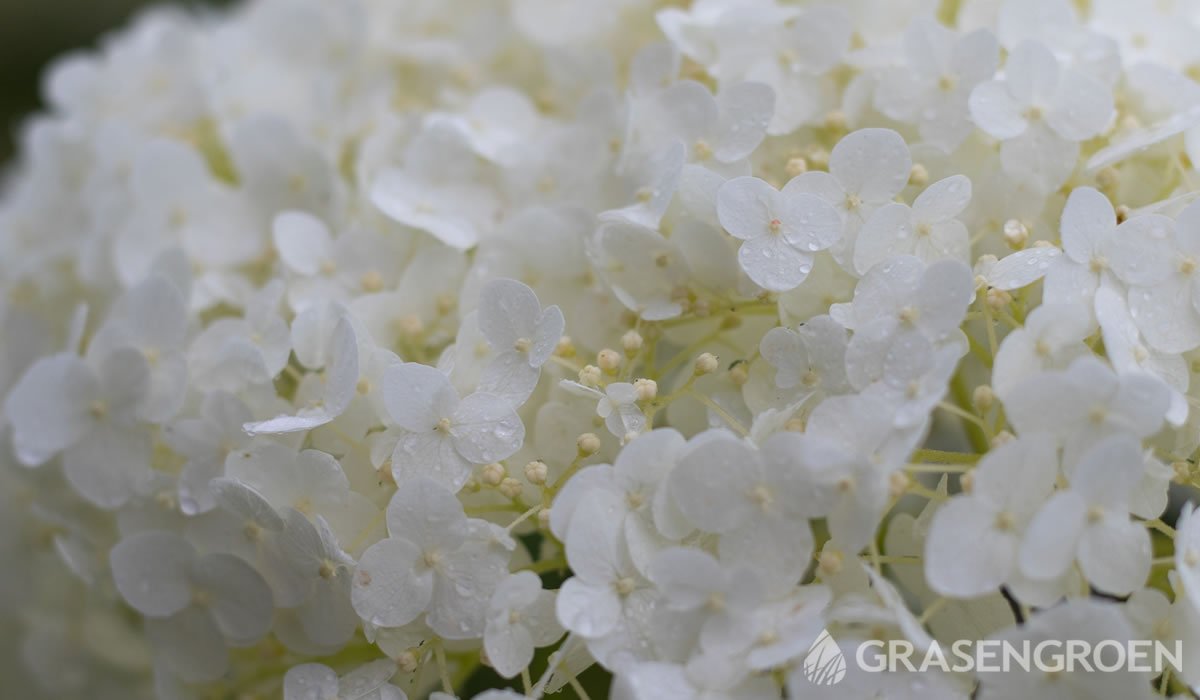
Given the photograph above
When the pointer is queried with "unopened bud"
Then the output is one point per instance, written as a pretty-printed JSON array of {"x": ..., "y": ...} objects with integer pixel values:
[
  {"x": 918, "y": 175},
  {"x": 829, "y": 563},
  {"x": 543, "y": 517},
  {"x": 590, "y": 376},
  {"x": 631, "y": 342},
  {"x": 510, "y": 487},
  {"x": 1016, "y": 234},
  {"x": 738, "y": 374},
  {"x": 706, "y": 363},
  {"x": 406, "y": 661},
  {"x": 997, "y": 298},
  {"x": 537, "y": 472},
  {"x": 565, "y": 347},
  {"x": 608, "y": 360},
  {"x": 796, "y": 166},
  {"x": 493, "y": 474},
  {"x": 983, "y": 397},
  {"x": 588, "y": 444},
  {"x": 646, "y": 389}
]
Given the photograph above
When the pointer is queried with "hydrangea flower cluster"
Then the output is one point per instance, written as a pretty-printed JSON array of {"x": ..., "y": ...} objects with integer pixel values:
[{"x": 366, "y": 349}]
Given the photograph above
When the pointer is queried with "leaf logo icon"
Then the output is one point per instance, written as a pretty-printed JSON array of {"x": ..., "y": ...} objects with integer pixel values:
[{"x": 824, "y": 664}]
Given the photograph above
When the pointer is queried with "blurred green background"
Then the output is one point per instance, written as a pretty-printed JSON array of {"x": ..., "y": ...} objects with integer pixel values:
[{"x": 33, "y": 32}]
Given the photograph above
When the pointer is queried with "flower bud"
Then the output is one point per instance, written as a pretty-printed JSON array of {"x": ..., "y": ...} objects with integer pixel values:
[
  {"x": 829, "y": 563},
  {"x": 590, "y": 376},
  {"x": 407, "y": 661},
  {"x": 631, "y": 342},
  {"x": 493, "y": 474},
  {"x": 510, "y": 487},
  {"x": 918, "y": 175},
  {"x": 647, "y": 389},
  {"x": 983, "y": 397},
  {"x": 608, "y": 360},
  {"x": 536, "y": 472},
  {"x": 997, "y": 298},
  {"x": 706, "y": 363},
  {"x": 1016, "y": 234},
  {"x": 588, "y": 444}
]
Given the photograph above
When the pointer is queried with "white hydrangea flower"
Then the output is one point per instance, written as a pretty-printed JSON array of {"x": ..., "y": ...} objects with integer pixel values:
[
  {"x": 522, "y": 336},
  {"x": 1087, "y": 402},
  {"x": 779, "y": 230},
  {"x": 443, "y": 436},
  {"x": 867, "y": 169},
  {"x": 90, "y": 415},
  {"x": 1041, "y": 111},
  {"x": 319, "y": 682},
  {"x": 940, "y": 70},
  {"x": 436, "y": 562},
  {"x": 755, "y": 507},
  {"x": 195, "y": 605},
  {"x": 927, "y": 230},
  {"x": 974, "y": 538},
  {"x": 1090, "y": 522},
  {"x": 520, "y": 618}
]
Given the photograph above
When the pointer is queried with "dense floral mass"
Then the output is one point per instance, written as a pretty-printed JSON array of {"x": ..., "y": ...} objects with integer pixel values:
[{"x": 373, "y": 349}]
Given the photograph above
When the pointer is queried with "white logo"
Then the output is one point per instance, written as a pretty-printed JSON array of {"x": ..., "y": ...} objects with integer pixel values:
[{"x": 824, "y": 664}]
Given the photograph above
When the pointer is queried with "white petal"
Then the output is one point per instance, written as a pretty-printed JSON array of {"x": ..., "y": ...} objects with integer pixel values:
[
  {"x": 1022, "y": 268},
  {"x": 240, "y": 599},
  {"x": 1088, "y": 219},
  {"x": 509, "y": 648},
  {"x": 49, "y": 407},
  {"x": 966, "y": 554},
  {"x": 386, "y": 591},
  {"x": 508, "y": 312},
  {"x": 745, "y": 110},
  {"x": 944, "y": 199},
  {"x": 710, "y": 481},
  {"x": 310, "y": 682},
  {"x": 773, "y": 263},
  {"x": 430, "y": 455},
  {"x": 1049, "y": 544},
  {"x": 687, "y": 577},
  {"x": 1142, "y": 250},
  {"x": 746, "y": 206},
  {"x": 1115, "y": 554},
  {"x": 589, "y": 611},
  {"x": 427, "y": 514},
  {"x": 150, "y": 570},
  {"x": 303, "y": 241},
  {"x": 1083, "y": 107},
  {"x": 105, "y": 467},
  {"x": 191, "y": 643},
  {"x": 888, "y": 232},
  {"x": 995, "y": 111},
  {"x": 486, "y": 429},
  {"x": 417, "y": 396},
  {"x": 872, "y": 163}
]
